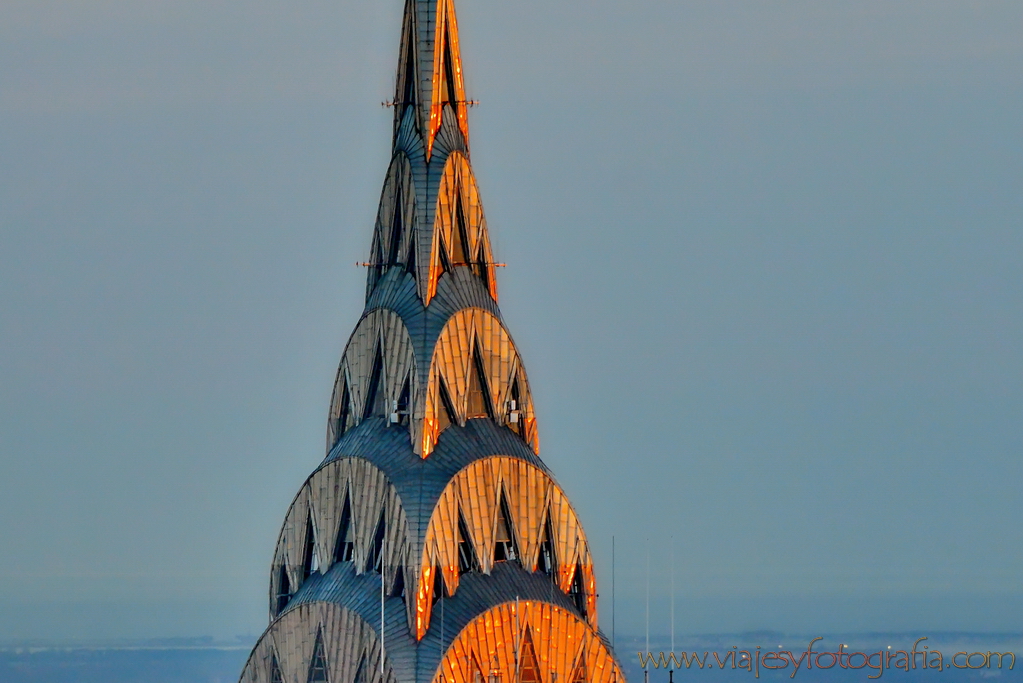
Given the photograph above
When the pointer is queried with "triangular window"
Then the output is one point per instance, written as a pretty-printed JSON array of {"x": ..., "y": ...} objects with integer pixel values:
[
  {"x": 515, "y": 409},
  {"x": 345, "y": 412},
  {"x": 577, "y": 591},
  {"x": 283, "y": 588},
  {"x": 360, "y": 672},
  {"x": 479, "y": 397},
  {"x": 318, "y": 665},
  {"x": 408, "y": 94},
  {"x": 529, "y": 668},
  {"x": 275, "y": 669},
  {"x": 376, "y": 555},
  {"x": 475, "y": 670},
  {"x": 480, "y": 267},
  {"x": 442, "y": 255},
  {"x": 375, "y": 399},
  {"x": 398, "y": 590},
  {"x": 467, "y": 561},
  {"x": 459, "y": 235},
  {"x": 310, "y": 557},
  {"x": 547, "y": 562},
  {"x": 445, "y": 411},
  {"x": 439, "y": 589},
  {"x": 377, "y": 260},
  {"x": 344, "y": 548},
  {"x": 410, "y": 262},
  {"x": 396, "y": 227},
  {"x": 450, "y": 94},
  {"x": 579, "y": 675},
  {"x": 504, "y": 536},
  {"x": 402, "y": 408}
]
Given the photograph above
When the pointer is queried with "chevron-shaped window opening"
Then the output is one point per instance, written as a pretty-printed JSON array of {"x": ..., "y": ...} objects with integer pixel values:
[
  {"x": 376, "y": 548},
  {"x": 440, "y": 590},
  {"x": 375, "y": 397},
  {"x": 345, "y": 414},
  {"x": 310, "y": 556},
  {"x": 529, "y": 668},
  {"x": 479, "y": 404},
  {"x": 547, "y": 561},
  {"x": 459, "y": 234},
  {"x": 450, "y": 89},
  {"x": 398, "y": 589},
  {"x": 467, "y": 561},
  {"x": 344, "y": 548},
  {"x": 515, "y": 412},
  {"x": 318, "y": 664},
  {"x": 446, "y": 414},
  {"x": 397, "y": 223},
  {"x": 410, "y": 262},
  {"x": 481, "y": 268},
  {"x": 577, "y": 591},
  {"x": 275, "y": 669},
  {"x": 402, "y": 407},
  {"x": 475, "y": 670},
  {"x": 505, "y": 548},
  {"x": 579, "y": 674},
  {"x": 360, "y": 671},
  {"x": 443, "y": 263},
  {"x": 408, "y": 91},
  {"x": 283, "y": 588},
  {"x": 377, "y": 260}
]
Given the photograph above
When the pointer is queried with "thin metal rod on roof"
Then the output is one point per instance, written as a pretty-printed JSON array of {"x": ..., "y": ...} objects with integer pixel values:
[
  {"x": 647, "y": 604},
  {"x": 612, "y": 591},
  {"x": 671, "y": 541}
]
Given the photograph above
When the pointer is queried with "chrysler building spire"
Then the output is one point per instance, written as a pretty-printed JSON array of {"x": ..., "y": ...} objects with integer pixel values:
[{"x": 431, "y": 545}]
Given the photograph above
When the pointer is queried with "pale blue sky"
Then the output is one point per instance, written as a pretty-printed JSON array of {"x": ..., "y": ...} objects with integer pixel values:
[{"x": 764, "y": 270}]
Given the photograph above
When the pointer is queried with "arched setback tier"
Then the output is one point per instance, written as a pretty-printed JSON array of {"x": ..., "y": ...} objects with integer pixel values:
[
  {"x": 347, "y": 511},
  {"x": 394, "y": 235},
  {"x": 460, "y": 236},
  {"x": 504, "y": 509},
  {"x": 447, "y": 89},
  {"x": 376, "y": 376},
  {"x": 528, "y": 641},
  {"x": 318, "y": 641},
  {"x": 474, "y": 372}
]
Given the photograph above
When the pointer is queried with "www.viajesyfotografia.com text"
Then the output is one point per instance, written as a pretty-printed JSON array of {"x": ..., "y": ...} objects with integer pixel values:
[{"x": 918, "y": 657}]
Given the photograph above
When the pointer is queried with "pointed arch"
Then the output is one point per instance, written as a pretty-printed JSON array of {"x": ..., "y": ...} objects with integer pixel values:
[
  {"x": 394, "y": 230},
  {"x": 344, "y": 639},
  {"x": 447, "y": 86},
  {"x": 369, "y": 529},
  {"x": 318, "y": 663},
  {"x": 460, "y": 236},
  {"x": 310, "y": 559},
  {"x": 499, "y": 636},
  {"x": 467, "y": 561},
  {"x": 472, "y": 506},
  {"x": 529, "y": 667},
  {"x": 275, "y": 669},
  {"x": 505, "y": 545},
  {"x": 344, "y": 546},
  {"x": 362, "y": 387},
  {"x": 475, "y": 363}
]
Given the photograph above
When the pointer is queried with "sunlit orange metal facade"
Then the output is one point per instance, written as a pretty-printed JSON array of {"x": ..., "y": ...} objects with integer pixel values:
[{"x": 431, "y": 545}]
